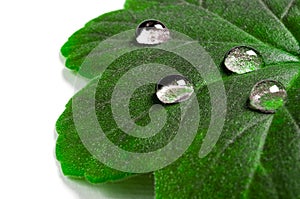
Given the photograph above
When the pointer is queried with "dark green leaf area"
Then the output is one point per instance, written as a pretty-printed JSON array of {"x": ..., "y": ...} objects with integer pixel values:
[
  {"x": 275, "y": 22},
  {"x": 255, "y": 151},
  {"x": 216, "y": 34}
]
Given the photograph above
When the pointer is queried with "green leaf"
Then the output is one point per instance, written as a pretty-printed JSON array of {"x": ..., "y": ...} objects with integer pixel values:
[
  {"x": 245, "y": 14},
  {"x": 257, "y": 155},
  {"x": 198, "y": 23},
  {"x": 75, "y": 159},
  {"x": 287, "y": 11}
]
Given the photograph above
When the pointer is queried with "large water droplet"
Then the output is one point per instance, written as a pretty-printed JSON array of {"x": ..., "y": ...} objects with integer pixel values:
[
  {"x": 243, "y": 59},
  {"x": 267, "y": 96},
  {"x": 174, "y": 89},
  {"x": 152, "y": 32}
]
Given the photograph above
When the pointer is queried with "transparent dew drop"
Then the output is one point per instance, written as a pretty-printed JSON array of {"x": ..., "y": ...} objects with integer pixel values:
[
  {"x": 243, "y": 59},
  {"x": 267, "y": 96},
  {"x": 152, "y": 32},
  {"x": 173, "y": 89}
]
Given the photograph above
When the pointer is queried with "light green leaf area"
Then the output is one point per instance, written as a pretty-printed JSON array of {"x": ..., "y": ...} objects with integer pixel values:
[
  {"x": 257, "y": 155},
  {"x": 76, "y": 161}
]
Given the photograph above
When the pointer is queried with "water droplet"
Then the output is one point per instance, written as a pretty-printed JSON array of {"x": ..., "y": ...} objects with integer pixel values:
[
  {"x": 267, "y": 96},
  {"x": 174, "y": 89},
  {"x": 152, "y": 32},
  {"x": 243, "y": 59}
]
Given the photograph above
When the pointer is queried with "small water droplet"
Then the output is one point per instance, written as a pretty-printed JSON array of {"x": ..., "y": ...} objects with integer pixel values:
[
  {"x": 243, "y": 59},
  {"x": 267, "y": 96},
  {"x": 173, "y": 89},
  {"x": 152, "y": 32}
]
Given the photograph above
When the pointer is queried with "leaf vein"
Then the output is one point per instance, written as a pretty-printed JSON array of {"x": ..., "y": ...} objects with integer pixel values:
[
  {"x": 279, "y": 20},
  {"x": 258, "y": 153},
  {"x": 297, "y": 128},
  {"x": 287, "y": 9}
]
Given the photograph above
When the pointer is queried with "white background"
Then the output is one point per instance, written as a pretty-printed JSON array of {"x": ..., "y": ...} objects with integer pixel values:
[{"x": 34, "y": 90}]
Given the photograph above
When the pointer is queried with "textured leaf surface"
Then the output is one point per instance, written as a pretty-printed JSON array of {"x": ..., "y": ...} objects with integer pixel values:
[
  {"x": 257, "y": 155},
  {"x": 215, "y": 33},
  {"x": 244, "y": 14},
  {"x": 254, "y": 152},
  {"x": 287, "y": 11},
  {"x": 75, "y": 160}
]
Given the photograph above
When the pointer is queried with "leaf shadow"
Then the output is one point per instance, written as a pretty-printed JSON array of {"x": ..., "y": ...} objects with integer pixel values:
[
  {"x": 71, "y": 77},
  {"x": 133, "y": 188},
  {"x": 74, "y": 80}
]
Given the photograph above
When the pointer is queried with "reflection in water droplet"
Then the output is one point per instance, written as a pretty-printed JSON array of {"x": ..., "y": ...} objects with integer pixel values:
[
  {"x": 267, "y": 96},
  {"x": 152, "y": 32},
  {"x": 174, "y": 89},
  {"x": 243, "y": 59}
]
